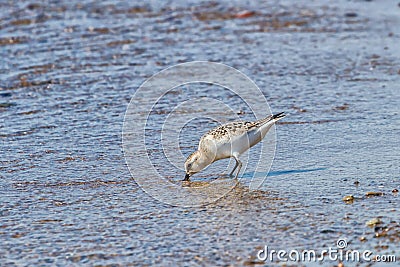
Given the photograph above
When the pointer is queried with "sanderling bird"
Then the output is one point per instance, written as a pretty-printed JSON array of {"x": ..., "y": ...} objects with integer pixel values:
[{"x": 228, "y": 140}]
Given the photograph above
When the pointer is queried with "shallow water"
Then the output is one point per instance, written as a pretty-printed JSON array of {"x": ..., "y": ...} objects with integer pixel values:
[{"x": 69, "y": 70}]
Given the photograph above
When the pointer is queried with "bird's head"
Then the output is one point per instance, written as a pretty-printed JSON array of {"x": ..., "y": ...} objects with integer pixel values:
[{"x": 194, "y": 163}]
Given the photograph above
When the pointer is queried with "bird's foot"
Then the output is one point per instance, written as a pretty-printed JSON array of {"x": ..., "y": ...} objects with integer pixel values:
[{"x": 186, "y": 179}]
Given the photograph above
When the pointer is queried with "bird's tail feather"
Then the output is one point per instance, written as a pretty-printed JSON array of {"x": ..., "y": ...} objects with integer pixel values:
[
  {"x": 278, "y": 116},
  {"x": 270, "y": 118}
]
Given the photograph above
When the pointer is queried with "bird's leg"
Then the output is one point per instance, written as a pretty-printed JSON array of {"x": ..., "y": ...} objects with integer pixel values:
[
  {"x": 234, "y": 168},
  {"x": 238, "y": 164},
  {"x": 239, "y": 167}
]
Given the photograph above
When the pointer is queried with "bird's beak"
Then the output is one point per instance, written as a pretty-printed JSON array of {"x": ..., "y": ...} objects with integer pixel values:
[{"x": 186, "y": 177}]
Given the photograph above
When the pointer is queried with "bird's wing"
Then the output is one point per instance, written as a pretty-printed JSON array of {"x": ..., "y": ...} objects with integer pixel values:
[
  {"x": 228, "y": 130},
  {"x": 236, "y": 129}
]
